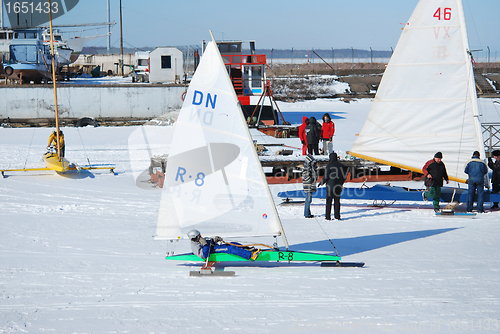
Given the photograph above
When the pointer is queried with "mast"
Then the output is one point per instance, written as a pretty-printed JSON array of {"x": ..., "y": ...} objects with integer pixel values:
[
  {"x": 54, "y": 80},
  {"x": 471, "y": 83}
]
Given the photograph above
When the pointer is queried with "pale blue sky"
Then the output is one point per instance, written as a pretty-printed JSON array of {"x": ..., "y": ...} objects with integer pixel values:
[{"x": 275, "y": 23}]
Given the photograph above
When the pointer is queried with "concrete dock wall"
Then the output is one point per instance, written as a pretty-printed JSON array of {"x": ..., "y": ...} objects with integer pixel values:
[{"x": 101, "y": 102}]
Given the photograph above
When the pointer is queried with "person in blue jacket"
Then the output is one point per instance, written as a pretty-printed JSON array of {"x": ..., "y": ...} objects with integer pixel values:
[
  {"x": 203, "y": 247},
  {"x": 476, "y": 169}
]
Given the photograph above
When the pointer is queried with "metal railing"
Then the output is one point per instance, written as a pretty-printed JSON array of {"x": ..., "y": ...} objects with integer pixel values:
[
  {"x": 244, "y": 59},
  {"x": 491, "y": 131}
]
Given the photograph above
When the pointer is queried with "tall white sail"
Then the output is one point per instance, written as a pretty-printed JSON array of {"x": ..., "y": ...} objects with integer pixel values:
[
  {"x": 214, "y": 180},
  {"x": 427, "y": 100}
]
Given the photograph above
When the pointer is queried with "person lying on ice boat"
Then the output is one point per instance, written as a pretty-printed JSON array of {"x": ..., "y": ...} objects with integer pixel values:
[{"x": 203, "y": 247}]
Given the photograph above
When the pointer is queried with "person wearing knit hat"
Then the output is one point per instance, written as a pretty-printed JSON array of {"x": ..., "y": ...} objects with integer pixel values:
[
  {"x": 309, "y": 178},
  {"x": 335, "y": 175},
  {"x": 476, "y": 169},
  {"x": 436, "y": 171},
  {"x": 495, "y": 175},
  {"x": 313, "y": 135}
]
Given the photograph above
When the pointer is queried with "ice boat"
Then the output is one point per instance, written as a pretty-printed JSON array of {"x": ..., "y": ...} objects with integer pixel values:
[{"x": 214, "y": 181}]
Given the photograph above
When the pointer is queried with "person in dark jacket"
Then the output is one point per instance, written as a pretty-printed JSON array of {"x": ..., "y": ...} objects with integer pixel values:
[
  {"x": 309, "y": 178},
  {"x": 335, "y": 175},
  {"x": 437, "y": 171},
  {"x": 302, "y": 134},
  {"x": 495, "y": 175},
  {"x": 313, "y": 134},
  {"x": 476, "y": 169}
]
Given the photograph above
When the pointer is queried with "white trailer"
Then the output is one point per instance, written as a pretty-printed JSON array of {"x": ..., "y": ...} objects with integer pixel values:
[{"x": 166, "y": 65}]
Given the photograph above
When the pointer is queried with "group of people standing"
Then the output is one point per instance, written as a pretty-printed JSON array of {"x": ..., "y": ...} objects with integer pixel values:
[
  {"x": 311, "y": 133},
  {"x": 435, "y": 174}
]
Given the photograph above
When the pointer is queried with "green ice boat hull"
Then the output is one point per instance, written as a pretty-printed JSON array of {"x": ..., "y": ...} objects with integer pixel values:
[{"x": 265, "y": 256}]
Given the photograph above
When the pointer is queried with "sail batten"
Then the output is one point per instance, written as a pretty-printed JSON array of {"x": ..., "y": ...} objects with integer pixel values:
[
  {"x": 426, "y": 101},
  {"x": 214, "y": 181}
]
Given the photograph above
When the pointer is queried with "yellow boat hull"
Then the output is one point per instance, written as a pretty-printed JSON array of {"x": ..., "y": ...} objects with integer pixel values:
[{"x": 52, "y": 162}]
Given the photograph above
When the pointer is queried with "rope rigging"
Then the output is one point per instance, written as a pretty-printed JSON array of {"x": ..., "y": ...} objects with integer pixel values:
[
  {"x": 84, "y": 149},
  {"x": 330, "y": 240},
  {"x": 27, "y": 154}
]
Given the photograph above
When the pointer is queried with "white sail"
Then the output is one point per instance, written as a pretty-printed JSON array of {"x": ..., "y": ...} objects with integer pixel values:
[
  {"x": 426, "y": 101},
  {"x": 215, "y": 182}
]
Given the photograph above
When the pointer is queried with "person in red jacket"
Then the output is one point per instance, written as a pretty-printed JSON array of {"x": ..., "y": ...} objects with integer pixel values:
[
  {"x": 436, "y": 172},
  {"x": 302, "y": 134},
  {"x": 327, "y": 132}
]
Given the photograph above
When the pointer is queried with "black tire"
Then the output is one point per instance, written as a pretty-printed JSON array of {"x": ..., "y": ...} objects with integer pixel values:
[
  {"x": 8, "y": 70},
  {"x": 86, "y": 121}
]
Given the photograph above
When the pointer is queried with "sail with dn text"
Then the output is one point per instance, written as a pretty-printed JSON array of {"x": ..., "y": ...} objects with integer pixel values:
[{"x": 214, "y": 180}]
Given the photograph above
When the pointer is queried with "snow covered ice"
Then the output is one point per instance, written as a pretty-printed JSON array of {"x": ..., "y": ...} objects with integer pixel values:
[{"x": 77, "y": 255}]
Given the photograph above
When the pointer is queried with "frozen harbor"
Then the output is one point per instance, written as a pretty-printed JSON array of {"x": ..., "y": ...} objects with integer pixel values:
[{"x": 78, "y": 255}]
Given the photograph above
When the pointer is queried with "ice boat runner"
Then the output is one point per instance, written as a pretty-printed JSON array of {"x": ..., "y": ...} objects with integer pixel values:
[
  {"x": 426, "y": 101},
  {"x": 215, "y": 183}
]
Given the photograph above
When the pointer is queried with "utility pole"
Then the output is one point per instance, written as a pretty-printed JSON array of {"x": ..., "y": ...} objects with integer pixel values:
[
  {"x": 488, "y": 56},
  {"x": 333, "y": 58},
  {"x": 371, "y": 57},
  {"x": 109, "y": 27},
  {"x": 1, "y": 13},
  {"x": 352, "y": 58},
  {"x": 121, "y": 39}
]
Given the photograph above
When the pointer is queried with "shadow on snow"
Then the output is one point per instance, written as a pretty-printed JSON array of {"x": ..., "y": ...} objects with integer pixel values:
[
  {"x": 350, "y": 246},
  {"x": 82, "y": 174}
]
